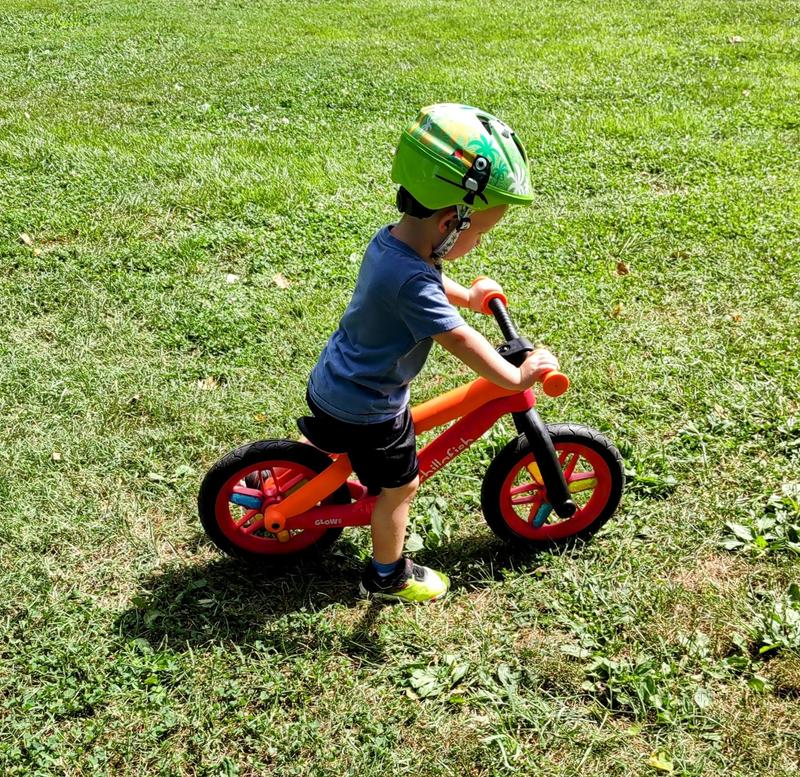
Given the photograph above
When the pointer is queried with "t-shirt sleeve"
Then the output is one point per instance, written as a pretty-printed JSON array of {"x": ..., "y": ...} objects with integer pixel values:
[{"x": 425, "y": 309}]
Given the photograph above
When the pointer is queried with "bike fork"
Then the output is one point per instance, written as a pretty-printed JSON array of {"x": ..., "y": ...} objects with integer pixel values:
[{"x": 531, "y": 425}]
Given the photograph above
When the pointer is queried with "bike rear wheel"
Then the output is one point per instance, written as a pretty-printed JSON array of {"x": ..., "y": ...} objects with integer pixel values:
[
  {"x": 514, "y": 499},
  {"x": 245, "y": 483}
]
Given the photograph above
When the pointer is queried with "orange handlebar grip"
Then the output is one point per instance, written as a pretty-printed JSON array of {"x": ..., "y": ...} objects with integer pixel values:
[
  {"x": 489, "y": 297},
  {"x": 555, "y": 383}
]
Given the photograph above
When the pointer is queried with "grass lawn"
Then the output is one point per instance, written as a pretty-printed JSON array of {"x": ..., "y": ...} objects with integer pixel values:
[{"x": 185, "y": 191}]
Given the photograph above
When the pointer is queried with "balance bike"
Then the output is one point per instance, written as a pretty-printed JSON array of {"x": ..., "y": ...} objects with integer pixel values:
[{"x": 552, "y": 486}]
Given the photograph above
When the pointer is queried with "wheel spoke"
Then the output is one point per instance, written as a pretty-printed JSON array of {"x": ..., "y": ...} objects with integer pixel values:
[
  {"x": 246, "y": 517},
  {"x": 535, "y": 505},
  {"x": 571, "y": 466},
  {"x": 528, "y": 500},
  {"x": 291, "y": 485},
  {"x": 536, "y": 474},
  {"x": 270, "y": 485},
  {"x": 254, "y": 526},
  {"x": 525, "y": 488},
  {"x": 542, "y": 515},
  {"x": 584, "y": 481},
  {"x": 251, "y": 498},
  {"x": 245, "y": 491}
]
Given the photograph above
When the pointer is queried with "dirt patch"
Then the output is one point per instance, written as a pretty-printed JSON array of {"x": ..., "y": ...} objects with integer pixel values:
[{"x": 722, "y": 574}]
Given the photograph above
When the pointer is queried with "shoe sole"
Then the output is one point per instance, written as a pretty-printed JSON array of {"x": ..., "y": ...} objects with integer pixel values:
[{"x": 399, "y": 599}]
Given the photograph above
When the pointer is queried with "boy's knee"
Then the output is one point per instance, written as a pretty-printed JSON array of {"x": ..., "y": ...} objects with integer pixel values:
[
  {"x": 413, "y": 485},
  {"x": 406, "y": 491}
]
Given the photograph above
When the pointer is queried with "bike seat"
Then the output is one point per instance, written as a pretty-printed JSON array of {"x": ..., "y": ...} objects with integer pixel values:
[{"x": 318, "y": 433}]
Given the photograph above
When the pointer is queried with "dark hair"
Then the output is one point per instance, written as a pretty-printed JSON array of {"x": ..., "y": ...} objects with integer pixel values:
[{"x": 407, "y": 204}]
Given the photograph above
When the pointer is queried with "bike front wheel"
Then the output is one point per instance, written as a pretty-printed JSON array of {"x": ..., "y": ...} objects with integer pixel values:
[{"x": 514, "y": 499}]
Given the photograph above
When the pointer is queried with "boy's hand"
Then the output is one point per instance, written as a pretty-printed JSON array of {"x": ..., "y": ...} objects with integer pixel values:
[
  {"x": 479, "y": 290},
  {"x": 536, "y": 366},
  {"x": 472, "y": 348}
]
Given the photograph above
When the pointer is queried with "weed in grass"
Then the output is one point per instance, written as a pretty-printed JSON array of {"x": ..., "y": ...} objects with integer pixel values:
[
  {"x": 777, "y": 626},
  {"x": 776, "y": 530}
]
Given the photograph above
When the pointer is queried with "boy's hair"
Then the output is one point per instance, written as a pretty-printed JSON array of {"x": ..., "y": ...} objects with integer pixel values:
[{"x": 407, "y": 203}]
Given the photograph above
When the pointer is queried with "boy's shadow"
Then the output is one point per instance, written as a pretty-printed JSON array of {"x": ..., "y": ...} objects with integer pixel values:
[{"x": 225, "y": 601}]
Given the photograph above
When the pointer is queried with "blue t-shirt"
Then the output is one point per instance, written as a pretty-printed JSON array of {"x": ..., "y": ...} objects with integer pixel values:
[{"x": 384, "y": 336}]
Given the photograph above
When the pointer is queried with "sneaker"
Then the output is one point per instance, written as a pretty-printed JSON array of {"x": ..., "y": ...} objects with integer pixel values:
[{"x": 410, "y": 583}]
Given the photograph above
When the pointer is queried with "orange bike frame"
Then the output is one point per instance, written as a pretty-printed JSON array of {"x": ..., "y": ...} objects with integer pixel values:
[{"x": 478, "y": 405}]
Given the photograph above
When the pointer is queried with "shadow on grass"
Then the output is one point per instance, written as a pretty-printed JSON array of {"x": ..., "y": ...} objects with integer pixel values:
[{"x": 288, "y": 609}]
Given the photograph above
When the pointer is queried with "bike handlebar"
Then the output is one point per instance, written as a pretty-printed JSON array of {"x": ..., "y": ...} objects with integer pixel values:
[{"x": 554, "y": 383}]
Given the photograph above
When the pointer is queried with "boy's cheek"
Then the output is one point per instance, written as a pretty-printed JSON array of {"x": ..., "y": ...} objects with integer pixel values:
[{"x": 463, "y": 246}]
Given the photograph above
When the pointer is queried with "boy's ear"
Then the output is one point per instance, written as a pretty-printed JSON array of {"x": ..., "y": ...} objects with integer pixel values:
[{"x": 444, "y": 218}]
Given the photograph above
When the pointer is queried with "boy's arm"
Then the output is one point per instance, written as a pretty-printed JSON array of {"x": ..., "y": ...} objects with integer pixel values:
[
  {"x": 471, "y": 297},
  {"x": 472, "y": 348},
  {"x": 457, "y": 294}
]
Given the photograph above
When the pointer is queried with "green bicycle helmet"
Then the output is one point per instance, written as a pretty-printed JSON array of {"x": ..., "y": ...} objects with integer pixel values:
[{"x": 454, "y": 154}]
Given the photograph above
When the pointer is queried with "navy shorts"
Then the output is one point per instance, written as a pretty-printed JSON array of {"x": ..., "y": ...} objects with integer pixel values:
[{"x": 383, "y": 455}]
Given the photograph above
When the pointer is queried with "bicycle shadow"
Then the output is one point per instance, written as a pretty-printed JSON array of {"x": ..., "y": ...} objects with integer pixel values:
[{"x": 293, "y": 609}]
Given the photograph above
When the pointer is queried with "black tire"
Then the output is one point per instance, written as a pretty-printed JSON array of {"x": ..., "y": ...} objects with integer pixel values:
[
  {"x": 261, "y": 548},
  {"x": 502, "y": 497}
]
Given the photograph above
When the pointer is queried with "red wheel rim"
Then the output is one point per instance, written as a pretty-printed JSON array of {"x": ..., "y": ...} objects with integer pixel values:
[
  {"x": 522, "y": 495},
  {"x": 244, "y": 526}
]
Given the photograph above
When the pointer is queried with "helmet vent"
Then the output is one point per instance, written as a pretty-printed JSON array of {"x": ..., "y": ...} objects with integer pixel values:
[{"x": 519, "y": 146}]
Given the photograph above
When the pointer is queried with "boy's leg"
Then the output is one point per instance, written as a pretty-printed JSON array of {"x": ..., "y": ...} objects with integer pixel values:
[
  {"x": 388, "y": 575},
  {"x": 383, "y": 453},
  {"x": 389, "y": 521}
]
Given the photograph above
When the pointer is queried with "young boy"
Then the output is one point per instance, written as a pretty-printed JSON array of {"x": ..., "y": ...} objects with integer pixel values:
[{"x": 459, "y": 169}]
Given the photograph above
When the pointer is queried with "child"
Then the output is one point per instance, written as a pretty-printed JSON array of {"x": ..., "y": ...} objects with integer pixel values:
[{"x": 459, "y": 169}]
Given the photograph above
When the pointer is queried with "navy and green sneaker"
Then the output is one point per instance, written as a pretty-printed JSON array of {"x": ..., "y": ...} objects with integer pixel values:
[{"x": 408, "y": 583}]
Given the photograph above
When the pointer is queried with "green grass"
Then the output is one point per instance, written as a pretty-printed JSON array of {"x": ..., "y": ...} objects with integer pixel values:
[{"x": 150, "y": 149}]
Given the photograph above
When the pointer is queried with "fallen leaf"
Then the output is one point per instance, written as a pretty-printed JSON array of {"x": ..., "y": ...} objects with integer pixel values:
[
  {"x": 617, "y": 310},
  {"x": 661, "y": 761},
  {"x": 260, "y": 418},
  {"x": 56, "y": 456},
  {"x": 26, "y": 239},
  {"x": 702, "y": 698},
  {"x": 734, "y": 39},
  {"x": 207, "y": 384},
  {"x": 414, "y": 543},
  {"x": 622, "y": 268},
  {"x": 280, "y": 281},
  {"x": 735, "y": 317}
]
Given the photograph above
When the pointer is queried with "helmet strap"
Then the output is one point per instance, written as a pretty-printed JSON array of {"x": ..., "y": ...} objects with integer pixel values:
[{"x": 462, "y": 214}]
